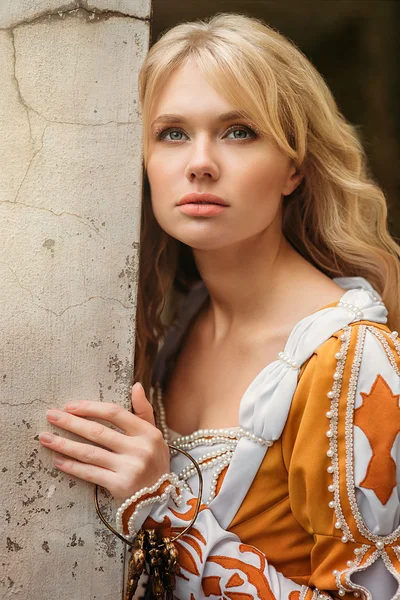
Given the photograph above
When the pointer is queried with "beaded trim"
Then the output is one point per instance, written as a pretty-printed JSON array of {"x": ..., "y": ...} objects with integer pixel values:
[
  {"x": 206, "y": 462},
  {"x": 288, "y": 360},
  {"x": 174, "y": 489},
  {"x": 317, "y": 595},
  {"x": 170, "y": 491},
  {"x": 356, "y": 566},
  {"x": 393, "y": 571},
  {"x": 218, "y": 459},
  {"x": 332, "y": 435},
  {"x": 357, "y": 312},
  {"x": 377, "y": 333},
  {"x": 396, "y": 550},
  {"x": 230, "y": 436},
  {"x": 200, "y": 436},
  {"x": 221, "y": 460},
  {"x": 303, "y": 592},
  {"x": 379, "y": 540},
  {"x": 396, "y": 342},
  {"x": 353, "y": 567}
]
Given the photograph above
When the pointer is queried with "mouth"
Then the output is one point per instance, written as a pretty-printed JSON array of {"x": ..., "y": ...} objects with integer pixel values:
[
  {"x": 201, "y": 209},
  {"x": 201, "y": 202},
  {"x": 208, "y": 199}
]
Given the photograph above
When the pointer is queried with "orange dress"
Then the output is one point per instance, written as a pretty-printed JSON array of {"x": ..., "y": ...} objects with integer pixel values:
[{"x": 302, "y": 500}]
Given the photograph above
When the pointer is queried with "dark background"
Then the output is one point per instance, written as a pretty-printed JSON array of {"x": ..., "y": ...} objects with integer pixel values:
[{"x": 355, "y": 45}]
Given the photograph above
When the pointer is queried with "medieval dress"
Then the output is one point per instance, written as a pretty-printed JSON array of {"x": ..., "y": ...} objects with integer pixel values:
[{"x": 301, "y": 501}]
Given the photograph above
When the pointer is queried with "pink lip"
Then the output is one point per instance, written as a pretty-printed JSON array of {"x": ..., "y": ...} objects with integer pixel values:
[
  {"x": 202, "y": 198},
  {"x": 201, "y": 209}
]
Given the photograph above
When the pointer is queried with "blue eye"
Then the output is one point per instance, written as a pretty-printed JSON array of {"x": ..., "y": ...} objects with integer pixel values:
[
  {"x": 242, "y": 131},
  {"x": 174, "y": 133}
]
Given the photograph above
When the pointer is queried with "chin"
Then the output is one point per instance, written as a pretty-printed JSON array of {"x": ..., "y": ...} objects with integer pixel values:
[
  {"x": 203, "y": 242},
  {"x": 198, "y": 235}
]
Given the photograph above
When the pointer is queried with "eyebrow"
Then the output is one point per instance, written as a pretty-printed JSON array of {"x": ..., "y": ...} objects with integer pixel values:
[{"x": 170, "y": 118}]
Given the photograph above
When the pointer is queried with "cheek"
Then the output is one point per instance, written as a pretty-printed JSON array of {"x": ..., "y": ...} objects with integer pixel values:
[
  {"x": 158, "y": 181},
  {"x": 162, "y": 176},
  {"x": 267, "y": 172},
  {"x": 262, "y": 183},
  {"x": 161, "y": 182}
]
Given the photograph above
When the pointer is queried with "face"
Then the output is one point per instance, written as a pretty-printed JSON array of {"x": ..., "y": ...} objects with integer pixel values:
[{"x": 197, "y": 147}]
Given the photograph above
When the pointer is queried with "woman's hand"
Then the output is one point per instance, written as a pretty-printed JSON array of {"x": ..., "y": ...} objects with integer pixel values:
[{"x": 125, "y": 462}]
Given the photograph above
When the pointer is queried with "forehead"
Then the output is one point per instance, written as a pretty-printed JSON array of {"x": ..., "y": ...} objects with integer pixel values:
[{"x": 188, "y": 91}]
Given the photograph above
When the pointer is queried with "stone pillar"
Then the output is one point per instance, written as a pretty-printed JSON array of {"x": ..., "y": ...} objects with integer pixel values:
[{"x": 70, "y": 193}]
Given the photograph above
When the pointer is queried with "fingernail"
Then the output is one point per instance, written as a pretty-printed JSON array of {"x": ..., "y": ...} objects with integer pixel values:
[
  {"x": 72, "y": 406},
  {"x": 59, "y": 462},
  {"x": 138, "y": 385},
  {"x": 46, "y": 438},
  {"x": 54, "y": 415}
]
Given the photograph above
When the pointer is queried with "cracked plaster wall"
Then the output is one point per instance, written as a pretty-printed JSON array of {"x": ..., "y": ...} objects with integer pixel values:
[{"x": 70, "y": 190}]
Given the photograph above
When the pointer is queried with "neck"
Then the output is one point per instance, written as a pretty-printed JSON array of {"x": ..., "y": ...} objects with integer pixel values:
[{"x": 249, "y": 283}]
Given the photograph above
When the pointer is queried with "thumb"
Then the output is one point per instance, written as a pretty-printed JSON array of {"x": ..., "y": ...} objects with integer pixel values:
[{"x": 141, "y": 406}]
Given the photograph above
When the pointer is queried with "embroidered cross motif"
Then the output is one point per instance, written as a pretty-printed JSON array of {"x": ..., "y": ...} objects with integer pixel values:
[{"x": 379, "y": 418}]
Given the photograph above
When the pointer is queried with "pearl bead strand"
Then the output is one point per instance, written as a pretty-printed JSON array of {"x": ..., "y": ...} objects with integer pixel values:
[
  {"x": 173, "y": 490},
  {"x": 218, "y": 459},
  {"x": 202, "y": 436},
  {"x": 358, "y": 313}
]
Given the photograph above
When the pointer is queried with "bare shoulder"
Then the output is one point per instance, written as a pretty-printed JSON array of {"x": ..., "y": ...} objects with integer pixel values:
[
  {"x": 326, "y": 291},
  {"x": 312, "y": 289}
]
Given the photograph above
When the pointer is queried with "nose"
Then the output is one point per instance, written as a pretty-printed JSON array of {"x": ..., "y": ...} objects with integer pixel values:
[{"x": 202, "y": 163}]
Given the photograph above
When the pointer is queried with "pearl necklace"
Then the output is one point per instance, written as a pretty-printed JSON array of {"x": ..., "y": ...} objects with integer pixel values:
[{"x": 217, "y": 459}]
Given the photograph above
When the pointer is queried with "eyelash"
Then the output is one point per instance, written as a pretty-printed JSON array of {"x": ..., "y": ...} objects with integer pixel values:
[{"x": 160, "y": 133}]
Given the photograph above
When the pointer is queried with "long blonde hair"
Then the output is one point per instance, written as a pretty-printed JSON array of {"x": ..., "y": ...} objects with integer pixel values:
[{"x": 336, "y": 218}]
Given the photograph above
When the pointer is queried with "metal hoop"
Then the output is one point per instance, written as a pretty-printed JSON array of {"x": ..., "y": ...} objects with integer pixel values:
[{"x": 196, "y": 512}]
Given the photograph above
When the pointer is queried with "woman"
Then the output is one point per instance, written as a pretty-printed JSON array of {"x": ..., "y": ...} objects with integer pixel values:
[{"x": 279, "y": 369}]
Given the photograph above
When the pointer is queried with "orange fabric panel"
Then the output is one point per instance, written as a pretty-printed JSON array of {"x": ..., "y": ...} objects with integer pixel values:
[
  {"x": 306, "y": 444},
  {"x": 280, "y": 537},
  {"x": 379, "y": 418},
  {"x": 270, "y": 486}
]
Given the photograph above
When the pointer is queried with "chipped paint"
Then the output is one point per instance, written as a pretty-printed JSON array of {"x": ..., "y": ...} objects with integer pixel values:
[
  {"x": 49, "y": 245},
  {"x": 123, "y": 373},
  {"x": 13, "y": 546},
  {"x": 51, "y": 491},
  {"x": 106, "y": 543}
]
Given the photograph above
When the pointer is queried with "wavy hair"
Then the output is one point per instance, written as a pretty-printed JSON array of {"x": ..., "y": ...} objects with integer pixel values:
[{"x": 336, "y": 218}]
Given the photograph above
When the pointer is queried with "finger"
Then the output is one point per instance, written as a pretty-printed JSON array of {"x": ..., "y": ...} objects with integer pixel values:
[
  {"x": 90, "y": 473},
  {"x": 85, "y": 453},
  {"x": 111, "y": 412},
  {"x": 141, "y": 405},
  {"x": 94, "y": 432}
]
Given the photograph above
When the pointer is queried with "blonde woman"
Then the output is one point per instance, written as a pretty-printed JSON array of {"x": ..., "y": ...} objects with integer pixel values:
[{"x": 269, "y": 288}]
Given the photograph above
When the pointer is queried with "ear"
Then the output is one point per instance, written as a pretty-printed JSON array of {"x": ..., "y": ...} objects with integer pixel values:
[{"x": 293, "y": 180}]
